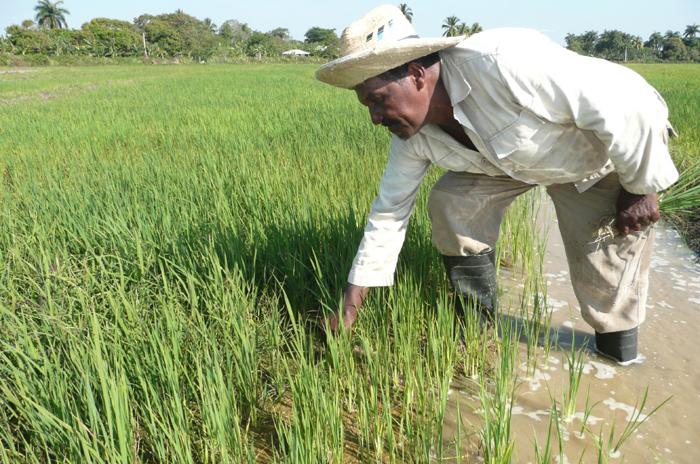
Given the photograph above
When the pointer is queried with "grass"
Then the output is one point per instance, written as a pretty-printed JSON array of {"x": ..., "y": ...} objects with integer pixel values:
[{"x": 172, "y": 236}]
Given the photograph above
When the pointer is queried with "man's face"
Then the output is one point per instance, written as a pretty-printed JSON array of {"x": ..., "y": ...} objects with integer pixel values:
[{"x": 398, "y": 105}]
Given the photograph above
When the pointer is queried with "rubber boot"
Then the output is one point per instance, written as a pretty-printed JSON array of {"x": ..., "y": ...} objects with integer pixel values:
[
  {"x": 619, "y": 346},
  {"x": 474, "y": 279}
]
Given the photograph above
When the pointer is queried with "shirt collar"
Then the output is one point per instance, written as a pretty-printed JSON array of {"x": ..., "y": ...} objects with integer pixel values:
[
  {"x": 453, "y": 78},
  {"x": 435, "y": 132}
]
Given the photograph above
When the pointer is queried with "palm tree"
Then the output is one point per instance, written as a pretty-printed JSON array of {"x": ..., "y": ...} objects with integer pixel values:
[
  {"x": 451, "y": 26},
  {"x": 51, "y": 15},
  {"x": 690, "y": 31},
  {"x": 636, "y": 42},
  {"x": 464, "y": 29},
  {"x": 406, "y": 10},
  {"x": 209, "y": 24},
  {"x": 655, "y": 42}
]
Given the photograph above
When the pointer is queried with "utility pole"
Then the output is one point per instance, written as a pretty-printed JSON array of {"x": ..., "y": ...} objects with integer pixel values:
[{"x": 145, "y": 50}]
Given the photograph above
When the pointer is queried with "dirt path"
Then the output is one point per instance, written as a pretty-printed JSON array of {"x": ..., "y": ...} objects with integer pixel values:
[{"x": 16, "y": 71}]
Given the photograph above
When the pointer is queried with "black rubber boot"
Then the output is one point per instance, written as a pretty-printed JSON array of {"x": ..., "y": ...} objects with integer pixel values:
[
  {"x": 619, "y": 346},
  {"x": 474, "y": 280}
]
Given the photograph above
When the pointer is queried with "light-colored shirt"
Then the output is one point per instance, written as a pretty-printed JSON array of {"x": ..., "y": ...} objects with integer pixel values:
[{"x": 536, "y": 112}]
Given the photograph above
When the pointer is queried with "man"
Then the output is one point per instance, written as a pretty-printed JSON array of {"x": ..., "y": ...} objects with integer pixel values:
[{"x": 503, "y": 111}]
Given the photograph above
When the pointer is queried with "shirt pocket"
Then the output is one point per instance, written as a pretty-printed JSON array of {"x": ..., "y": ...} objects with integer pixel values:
[{"x": 518, "y": 143}]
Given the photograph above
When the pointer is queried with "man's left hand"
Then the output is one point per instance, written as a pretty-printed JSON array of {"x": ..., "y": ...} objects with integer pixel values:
[{"x": 635, "y": 212}]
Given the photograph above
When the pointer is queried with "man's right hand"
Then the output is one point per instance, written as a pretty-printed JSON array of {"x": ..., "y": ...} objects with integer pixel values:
[{"x": 353, "y": 297}]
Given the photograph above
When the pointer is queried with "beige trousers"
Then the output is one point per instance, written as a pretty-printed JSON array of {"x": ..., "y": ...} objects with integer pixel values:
[{"x": 610, "y": 277}]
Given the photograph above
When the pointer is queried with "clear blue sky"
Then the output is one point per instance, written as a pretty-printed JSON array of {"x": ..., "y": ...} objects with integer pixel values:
[{"x": 553, "y": 17}]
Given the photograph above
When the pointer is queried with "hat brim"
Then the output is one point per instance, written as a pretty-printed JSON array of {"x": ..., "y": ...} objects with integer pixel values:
[{"x": 353, "y": 69}]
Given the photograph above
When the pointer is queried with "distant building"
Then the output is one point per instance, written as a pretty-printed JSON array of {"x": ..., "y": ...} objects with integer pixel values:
[{"x": 296, "y": 52}]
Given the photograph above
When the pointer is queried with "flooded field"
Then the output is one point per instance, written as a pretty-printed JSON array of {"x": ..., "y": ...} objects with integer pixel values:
[{"x": 609, "y": 395}]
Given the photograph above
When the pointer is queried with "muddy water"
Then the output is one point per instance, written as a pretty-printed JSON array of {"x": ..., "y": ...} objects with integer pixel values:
[{"x": 670, "y": 367}]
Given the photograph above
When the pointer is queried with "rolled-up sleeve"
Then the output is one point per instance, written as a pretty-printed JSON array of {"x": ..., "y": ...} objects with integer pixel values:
[
  {"x": 375, "y": 261},
  {"x": 625, "y": 113}
]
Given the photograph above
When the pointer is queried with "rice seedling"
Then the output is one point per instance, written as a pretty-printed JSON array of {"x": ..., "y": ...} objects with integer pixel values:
[
  {"x": 587, "y": 409},
  {"x": 634, "y": 422},
  {"x": 684, "y": 195},
  {"x": 574, "y": 367},
  {"x": 611, "y": 448},
  {"x": 497, "y": 399},
  {"x": 544, "y": 455}
]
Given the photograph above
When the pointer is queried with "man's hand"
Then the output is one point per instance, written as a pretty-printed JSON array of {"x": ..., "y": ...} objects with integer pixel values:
[
  {"x": 635, "y": 212},
  {"x": 353, "y": 297}
]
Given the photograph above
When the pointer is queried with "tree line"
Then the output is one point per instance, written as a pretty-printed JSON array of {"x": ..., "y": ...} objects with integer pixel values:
[
  {"x": 619, "y": 46},
  {"x": 181, "y": 36},
  {"x": 166, "y": 36}
]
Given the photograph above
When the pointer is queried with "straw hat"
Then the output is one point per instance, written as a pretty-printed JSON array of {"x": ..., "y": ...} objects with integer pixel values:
[{"x": 379, "y": 41}]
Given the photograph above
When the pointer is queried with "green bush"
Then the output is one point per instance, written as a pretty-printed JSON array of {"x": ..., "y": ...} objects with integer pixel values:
[{"x": 111, "y": 37}]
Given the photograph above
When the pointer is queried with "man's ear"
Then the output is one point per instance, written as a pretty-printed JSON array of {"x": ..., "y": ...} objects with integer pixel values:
[{"x": 417, "y": 74}]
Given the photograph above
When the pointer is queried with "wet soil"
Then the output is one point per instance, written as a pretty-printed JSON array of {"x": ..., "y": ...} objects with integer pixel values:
[
  {"x": 669, "y": 366},
  {"x": 689, "y": 226}
]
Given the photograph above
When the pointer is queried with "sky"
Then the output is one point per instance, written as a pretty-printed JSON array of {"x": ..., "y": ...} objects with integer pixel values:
[{"x": 555, "y": 18}]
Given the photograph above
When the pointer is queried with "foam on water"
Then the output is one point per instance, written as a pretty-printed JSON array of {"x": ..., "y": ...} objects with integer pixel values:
[
  {"x": 535, "y": 380},
  {"x": 534, "y": 415},
  {"x": 556, "y": 305},
  {"x": 630, "y": 410},
  {"x": 638, "y": 360},
  {"x": 603, "y": 371},
  {"x": 590, "y": 420},
  {"x": 659, "y": 262}
]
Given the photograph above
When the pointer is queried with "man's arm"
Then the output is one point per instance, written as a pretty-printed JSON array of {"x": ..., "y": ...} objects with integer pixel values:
[
  {"x": 375, "y": 261},
  {"x": 385, "y": 230}
]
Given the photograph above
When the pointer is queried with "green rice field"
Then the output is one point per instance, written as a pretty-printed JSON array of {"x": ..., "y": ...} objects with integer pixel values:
[{"x": 171, "y": 238}]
